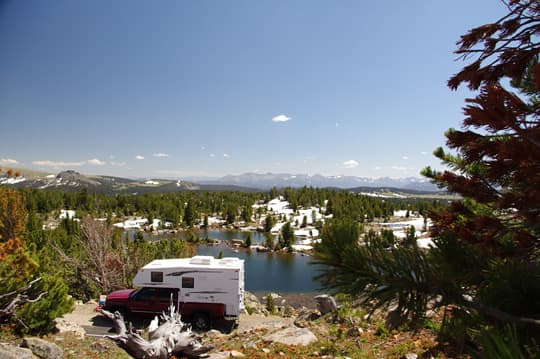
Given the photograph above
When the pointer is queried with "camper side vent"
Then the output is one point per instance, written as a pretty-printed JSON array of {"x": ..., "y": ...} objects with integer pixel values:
[
  {"x": 206, "y": 260},
  {"x": 229, "y": 260}
]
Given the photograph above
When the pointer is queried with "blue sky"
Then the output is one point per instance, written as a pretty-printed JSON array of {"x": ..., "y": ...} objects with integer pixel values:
[{"x": 208, "y": 88}]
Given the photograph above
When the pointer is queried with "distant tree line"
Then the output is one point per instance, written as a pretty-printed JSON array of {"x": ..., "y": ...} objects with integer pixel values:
[{"x": 186, "y": 209}]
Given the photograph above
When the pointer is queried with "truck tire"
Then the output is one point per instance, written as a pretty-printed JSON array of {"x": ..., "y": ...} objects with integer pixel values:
[{"x": 200, "y": 322}]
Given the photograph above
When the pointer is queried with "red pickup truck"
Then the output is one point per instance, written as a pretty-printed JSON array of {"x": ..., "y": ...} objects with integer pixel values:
[{"x": 147, "y": 302}]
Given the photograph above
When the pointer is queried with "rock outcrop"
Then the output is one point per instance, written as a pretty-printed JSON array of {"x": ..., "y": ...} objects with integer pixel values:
[
  {"x": 42, "y": 348},
  {"x": 291, "y": 336},
  {"x": 8, "y": 351}
]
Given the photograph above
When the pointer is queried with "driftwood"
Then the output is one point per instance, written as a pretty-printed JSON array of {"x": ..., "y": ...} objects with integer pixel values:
[{"x": 172, "y": 337}]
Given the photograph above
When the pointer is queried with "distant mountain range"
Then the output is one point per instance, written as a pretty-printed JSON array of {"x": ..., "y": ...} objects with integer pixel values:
[
  {"x": 269, "y": 180},
  {"x": 74, "y": 181}
]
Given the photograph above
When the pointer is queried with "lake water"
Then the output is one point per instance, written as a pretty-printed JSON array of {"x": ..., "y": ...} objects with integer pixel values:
[
  {"x": 265, "y": 272},
  {"x": 271, "y": 272}
]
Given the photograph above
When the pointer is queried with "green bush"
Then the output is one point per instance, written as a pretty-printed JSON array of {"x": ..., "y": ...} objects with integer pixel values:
[
  {"x": 270, "y": 305},
  {"x": 38, "y": 317}
]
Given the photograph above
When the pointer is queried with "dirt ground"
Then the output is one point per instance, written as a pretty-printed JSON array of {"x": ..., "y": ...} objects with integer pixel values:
[{"x": 95, "y": 324}]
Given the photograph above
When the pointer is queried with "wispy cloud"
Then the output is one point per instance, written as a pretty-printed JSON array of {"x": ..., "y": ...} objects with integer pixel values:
[
  {"x": 281, "y": 118},
  {"x": 212, "y": 155},
  {"x": 350, "y": 164},
  {"x": 226, "y": 155},
  {"x": 118, "y": 164},
  {"x": 96, "y": 162},
  {"x": 160, "y": 155},
  {"x": 404, "y": 157},
  {"x": 400, "y": 168},
  {"x": 139, "y": 157},
  {"x": 58, "y": 164},
  {"x": 9, "y": 161},
  {"x": 423, "y": 153}
]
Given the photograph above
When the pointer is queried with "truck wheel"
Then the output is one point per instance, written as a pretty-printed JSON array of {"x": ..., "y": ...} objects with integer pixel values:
[{"x": 200, "y": 322}]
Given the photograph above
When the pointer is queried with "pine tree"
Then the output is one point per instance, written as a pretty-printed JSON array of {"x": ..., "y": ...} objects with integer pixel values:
[
  {"x": 485, "y": 262},
  {"x": 247, "y": 240},
  {"x": 25, "y": 275},
  {"x": 189, "y": 214},
  {"x": 286, "y": 240},
  {"x": 268, "y": 222}
]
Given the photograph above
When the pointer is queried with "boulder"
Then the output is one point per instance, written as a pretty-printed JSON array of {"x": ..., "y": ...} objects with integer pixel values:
[
  {"x": 326, "y": 303},
  {"x": 8, "y": 351},
  {"x": 42, "y": 348},
  {"x": 305, "y": 316},
  {"x": 252, "y": 302},
  {"x": 291, "y": 336}
]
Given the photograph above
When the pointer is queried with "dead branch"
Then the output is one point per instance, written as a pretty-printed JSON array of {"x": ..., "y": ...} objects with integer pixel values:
[
  {"x": 172, "y": 337},
  {"x": 20, "y": 298}
]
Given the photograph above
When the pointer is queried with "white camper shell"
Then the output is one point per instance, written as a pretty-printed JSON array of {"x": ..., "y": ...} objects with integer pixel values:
[{"x": 200, "y": 279}]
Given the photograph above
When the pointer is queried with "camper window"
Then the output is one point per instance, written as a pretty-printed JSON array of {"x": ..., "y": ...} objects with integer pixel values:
[
  {"x": 156, "y": 276},
  {"x": 188, "y": 282}
]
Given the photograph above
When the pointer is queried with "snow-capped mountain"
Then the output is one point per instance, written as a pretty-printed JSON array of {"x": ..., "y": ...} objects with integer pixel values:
[{"x": 269, "y": 180}]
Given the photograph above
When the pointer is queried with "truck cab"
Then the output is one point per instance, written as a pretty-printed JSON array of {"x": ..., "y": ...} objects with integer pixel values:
[{"x": 147, "y": 302}]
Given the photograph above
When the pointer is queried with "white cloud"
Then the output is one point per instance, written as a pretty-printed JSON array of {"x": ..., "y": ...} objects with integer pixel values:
[
  {"x": 203, "y": 148},
  {"x": 118, "y": 164},
  {"x": 404, "y": 157},
  {"x": 337, "y": 124},
  {"x": 424, "y": 153},
  {"x": 139, "y": 157},
  {"x": 9, "y": 161},
  {"x": 350, "y": 164},
  {"x": 226, "y": 155},
  {"x": 212, "y": 155},
  {"x": 96, "y": 162},
  {"x": 378, "y": 168},
  {"x": 160, "y": 155},
  {"x": 281, "y": 118},
  {"x": 55, "y": 164}
]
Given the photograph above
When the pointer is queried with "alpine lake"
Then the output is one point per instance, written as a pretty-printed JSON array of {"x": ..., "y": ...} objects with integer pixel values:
[{"x": 264, "y": 271}]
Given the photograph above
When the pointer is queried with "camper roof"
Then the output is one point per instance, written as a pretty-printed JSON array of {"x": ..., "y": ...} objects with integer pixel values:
[{"x": 196, "y": 262}]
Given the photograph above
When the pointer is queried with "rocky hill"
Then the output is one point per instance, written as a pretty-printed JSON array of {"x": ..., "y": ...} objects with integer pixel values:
[{"x": 74, "y": 181}]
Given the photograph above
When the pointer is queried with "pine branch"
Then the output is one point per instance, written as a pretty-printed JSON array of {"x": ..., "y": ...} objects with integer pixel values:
[{"x": 497, "y": 313}]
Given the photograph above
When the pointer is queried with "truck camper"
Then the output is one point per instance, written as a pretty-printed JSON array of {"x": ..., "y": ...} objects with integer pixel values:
[{"x": 204, "y": 289}]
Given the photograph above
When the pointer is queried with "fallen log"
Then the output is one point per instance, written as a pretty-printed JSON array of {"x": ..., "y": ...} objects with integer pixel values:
[{"x": 171, "y": 338}]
